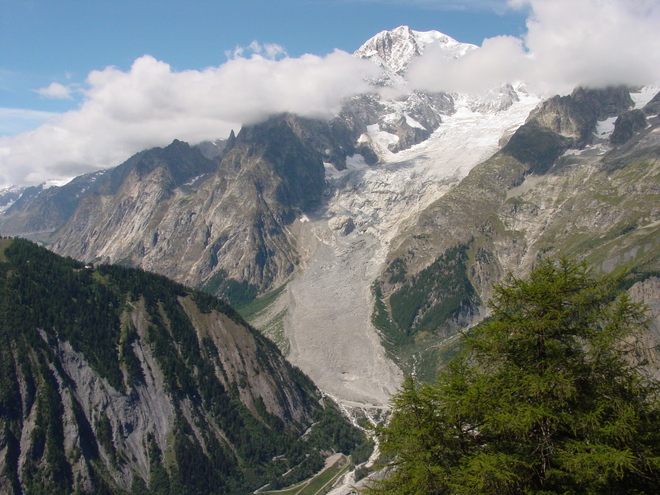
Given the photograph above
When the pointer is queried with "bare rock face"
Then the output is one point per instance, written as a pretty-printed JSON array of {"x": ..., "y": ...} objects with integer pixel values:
[
  {"x": 228, "y": 224},
  {"x": 494, "y": 100},
  {"x": 627, "y": 125},
  {"x": 407, "y": 134},
  {"x": 652, "y": 108},
  {"x": 343, "y": 224},
  {"x": 575, "y": 116},
  {"x": 647, "y": 292},
  {"x": 410, "y": 118}
]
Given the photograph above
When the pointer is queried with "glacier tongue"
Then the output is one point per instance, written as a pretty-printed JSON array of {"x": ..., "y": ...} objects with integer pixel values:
[
  {"x": 329, "y": 328},
  {"x": 329, "y": 303}
]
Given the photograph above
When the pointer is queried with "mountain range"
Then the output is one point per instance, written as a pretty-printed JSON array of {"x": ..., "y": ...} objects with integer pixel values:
[{"x": 362, "y": 245}]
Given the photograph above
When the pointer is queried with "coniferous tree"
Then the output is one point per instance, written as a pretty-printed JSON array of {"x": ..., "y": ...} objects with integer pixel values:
[{"x": 548, "y": 398}]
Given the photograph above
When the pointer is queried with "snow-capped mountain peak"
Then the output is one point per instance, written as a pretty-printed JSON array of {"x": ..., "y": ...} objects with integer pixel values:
[
  {"x": 395, "y": 49},
  {"x": 9, "y": 195}
]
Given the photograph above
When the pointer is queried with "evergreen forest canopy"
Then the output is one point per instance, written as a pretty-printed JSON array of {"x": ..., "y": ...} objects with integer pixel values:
[
  {"x": 549, "y": 397},
  {"x": 113, "y": 381}
]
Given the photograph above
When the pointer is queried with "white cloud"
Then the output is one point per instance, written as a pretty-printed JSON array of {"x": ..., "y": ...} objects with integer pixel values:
[
  {"x": 56, "y": 91},
  {"x": 568, "y": 43},
  {"x": 150, "y": 105},
  {"x": 594, "y": 42},
  {"x": 486, "y": 67}
]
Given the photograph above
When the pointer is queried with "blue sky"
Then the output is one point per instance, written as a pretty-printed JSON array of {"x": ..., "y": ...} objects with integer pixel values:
[
  {"x": 63, "y": 40},
  {"x": 86, "y": 83}
]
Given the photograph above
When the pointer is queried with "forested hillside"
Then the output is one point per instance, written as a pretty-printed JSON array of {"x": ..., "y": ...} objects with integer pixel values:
[{"x": 115, "y": 380}]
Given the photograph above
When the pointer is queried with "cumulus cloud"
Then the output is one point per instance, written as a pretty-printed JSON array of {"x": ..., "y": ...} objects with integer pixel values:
[
  {"x": 491, "y": 65},
  {"x": 568, "y": 43},
  {"x": 150, "y": 105},
  {"x": 56, "y": 91}
]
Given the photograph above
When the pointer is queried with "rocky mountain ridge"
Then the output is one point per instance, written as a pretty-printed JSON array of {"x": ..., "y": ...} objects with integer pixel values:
[{"x": 237, "y": 207}]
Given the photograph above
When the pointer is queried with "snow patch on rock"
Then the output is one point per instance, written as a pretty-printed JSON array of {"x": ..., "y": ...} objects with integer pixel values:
[
  {"x": 644, "y": 95},
  {"x": 605, "y": 128}
]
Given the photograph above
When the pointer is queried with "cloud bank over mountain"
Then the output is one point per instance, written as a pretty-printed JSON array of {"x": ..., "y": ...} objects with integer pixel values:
[
  {"x": 567, "y": 43},
  {"x": 151, "y": 105}
]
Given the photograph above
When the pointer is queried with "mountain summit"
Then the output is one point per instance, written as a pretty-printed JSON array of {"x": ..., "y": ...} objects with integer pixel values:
[{"x": 395, "y": 49}]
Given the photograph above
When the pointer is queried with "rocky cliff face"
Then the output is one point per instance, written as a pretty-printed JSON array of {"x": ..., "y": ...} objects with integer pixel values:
[
  {"x": 576, "y": 116},
  {"x": 215, "y": 221},
  {"x": 114, "y": 380}
]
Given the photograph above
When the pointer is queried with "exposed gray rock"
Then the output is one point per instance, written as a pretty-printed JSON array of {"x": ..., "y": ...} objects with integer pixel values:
[
  {"x": 652, "y": 108},
  {"x": 575, "y": 116},
  {"x": 343, "y": 224},
  {"x": 237, "y": 215},
  {"x": 626, "y": 125}
]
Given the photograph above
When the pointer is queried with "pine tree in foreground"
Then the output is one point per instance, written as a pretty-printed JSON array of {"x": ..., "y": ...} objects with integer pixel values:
[{"x": 549, "y": 398}]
